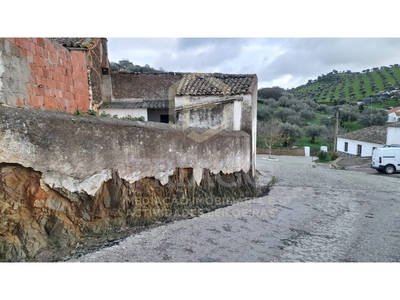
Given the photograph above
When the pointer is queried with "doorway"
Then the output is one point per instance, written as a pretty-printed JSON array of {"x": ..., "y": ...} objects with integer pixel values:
[{"x": 359, "y": 149}]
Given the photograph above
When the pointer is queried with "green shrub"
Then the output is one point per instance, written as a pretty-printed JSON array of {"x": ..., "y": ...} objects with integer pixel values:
[
  {"x": 130, "y": 118},
  {"x": 322, "y": 155},
  {"x": 334, "y": 156},
  {"x": 104, "y": 114}
]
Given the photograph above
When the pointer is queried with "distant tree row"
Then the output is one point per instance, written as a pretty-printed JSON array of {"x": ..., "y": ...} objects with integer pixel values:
[
  {"x": 351, "y": 86},
  {"x": 128, "y": 67},
  {"x": 287, "y": 119}
]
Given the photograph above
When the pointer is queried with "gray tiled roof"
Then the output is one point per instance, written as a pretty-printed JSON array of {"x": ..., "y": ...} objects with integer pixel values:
[
  {"x": 150, "y": 104},
  {"x": 372, "y": 134},
  {"x": 394, "y": 124},
  {"x": 199, "y": 84},
  {"x": 84, "y": 43}
]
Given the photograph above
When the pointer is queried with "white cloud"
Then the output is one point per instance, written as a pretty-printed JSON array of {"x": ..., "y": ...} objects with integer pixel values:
[{"x": 286, "y": 62}]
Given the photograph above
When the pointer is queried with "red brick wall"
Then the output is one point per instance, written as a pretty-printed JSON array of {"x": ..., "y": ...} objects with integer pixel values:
[{"x": 58, "y": 77}]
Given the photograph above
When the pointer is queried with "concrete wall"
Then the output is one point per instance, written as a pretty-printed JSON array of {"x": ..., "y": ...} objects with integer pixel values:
[
  {"x": 205, "y": 112},
  {"x": 214, "y": 113},
  {"x": 65, "y": 177},
  {"x": 143, "y": 86},
  {"x": 39, "y": 73},
  {"x": 366, "y": 148},
  {"x": 98, "y": 73}
]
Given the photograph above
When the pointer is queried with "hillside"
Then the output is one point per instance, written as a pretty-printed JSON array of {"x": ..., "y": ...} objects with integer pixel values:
[{"x": 351, "y": 86}]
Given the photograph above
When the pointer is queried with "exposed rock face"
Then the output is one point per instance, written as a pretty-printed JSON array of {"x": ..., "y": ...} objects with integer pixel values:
[
  {"x": 64, "y": 179},
  {"x": 38, "y": 221}
]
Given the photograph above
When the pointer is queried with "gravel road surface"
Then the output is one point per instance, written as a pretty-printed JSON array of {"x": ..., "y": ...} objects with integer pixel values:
[{"x": 312, "y": 214}]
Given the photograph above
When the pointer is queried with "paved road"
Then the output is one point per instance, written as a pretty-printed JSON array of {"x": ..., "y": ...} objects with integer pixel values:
[
  {"x": 312, "y": 214},
  {"x": 362, "y": 164}
]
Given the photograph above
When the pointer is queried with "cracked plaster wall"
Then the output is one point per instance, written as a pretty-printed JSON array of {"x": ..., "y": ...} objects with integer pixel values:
[{"x": 61, "y": 175}]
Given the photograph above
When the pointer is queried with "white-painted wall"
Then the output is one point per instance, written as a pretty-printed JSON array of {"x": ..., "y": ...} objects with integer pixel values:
[
  {"x": 393, "y": 135},
  {"x": 237, "y": 115},
  {"x": 392, "y": 117},
  {"x": 124, "y": 112},
  {"x": 366, "y": 147}
]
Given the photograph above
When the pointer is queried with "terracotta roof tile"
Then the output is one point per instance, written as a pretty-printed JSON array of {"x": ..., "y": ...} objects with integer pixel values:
[
  {"x": 199, "y": 84},
  {"x": 394, "y": 109},
  {"x": 84, "y": 43}
]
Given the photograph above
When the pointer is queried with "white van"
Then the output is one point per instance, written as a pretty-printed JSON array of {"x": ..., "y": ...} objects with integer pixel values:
[{"x": 386, "y": 160}]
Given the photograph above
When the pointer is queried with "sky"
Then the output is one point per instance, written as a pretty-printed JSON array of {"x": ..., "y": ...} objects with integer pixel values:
[
  {"x": 286, "y": 42},
  {"x": 284, "y": 62}
]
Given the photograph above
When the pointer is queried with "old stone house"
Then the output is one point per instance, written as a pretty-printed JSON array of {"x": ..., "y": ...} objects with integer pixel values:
[
  {"x": 212, "y": 101},
  {"x": 65, "y": 74},
  {"x": 218, "y": 102},
  {"x": 144, "y": 95}
]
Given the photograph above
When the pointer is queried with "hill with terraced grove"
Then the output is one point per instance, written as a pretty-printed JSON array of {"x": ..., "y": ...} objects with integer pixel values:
[{"x": 381, "y": 84}]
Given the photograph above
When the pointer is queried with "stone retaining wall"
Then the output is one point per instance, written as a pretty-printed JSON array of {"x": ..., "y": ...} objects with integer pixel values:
[{"x": 65, "y": 178}]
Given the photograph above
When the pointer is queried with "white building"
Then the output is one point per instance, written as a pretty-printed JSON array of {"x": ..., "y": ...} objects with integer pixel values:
[
  {"x": 394, "y": 114},
  {"x": 150, "y": 110},
  {"x": 393, "y": 133},
  {"x": 362, "y": 142}
]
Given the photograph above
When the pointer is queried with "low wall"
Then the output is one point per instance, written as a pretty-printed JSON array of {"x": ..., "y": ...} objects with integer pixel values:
[
  {"x": 282, "y": 151},
  {"x": 65, "y": 178}
]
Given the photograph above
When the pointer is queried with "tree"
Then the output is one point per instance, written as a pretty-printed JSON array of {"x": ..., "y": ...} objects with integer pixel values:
[
  {"x": 283, "y": 113},
  {"x": 286, "y": 101},
  {"x": 290, "y": 133},
  {"x": 326, "y": 121},
  {"x": 269, "y": 133},
  {"x": 274, "y": 92},
  {"x": 265, "y": 113},
  {"x": 348, "y": 113},
  {"x": 373, "y": 116},
  {"x": 295, "y": 120},
  {"x": 307, "y": 114},
  {"x": 313, "y": 131},
  {"x": 126, "y": 66},
  {"x": 270, "y": 102}
]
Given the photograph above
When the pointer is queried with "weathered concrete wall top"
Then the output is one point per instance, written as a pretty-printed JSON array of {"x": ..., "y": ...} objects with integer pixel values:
[{"x": 79, "y": 153}]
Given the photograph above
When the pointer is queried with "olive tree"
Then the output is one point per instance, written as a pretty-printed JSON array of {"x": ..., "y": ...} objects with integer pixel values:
[
  {"x": 373, "y": 116},
  {"x": 265, "y": 113},
  {"x": 313, "y": 131},
  {"x": 283, "y": 113},
  {"x": 290, "y": 133}
]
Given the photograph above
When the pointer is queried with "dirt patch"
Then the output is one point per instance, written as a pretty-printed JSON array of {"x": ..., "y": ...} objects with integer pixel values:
[{"x": 354, "y": 162}]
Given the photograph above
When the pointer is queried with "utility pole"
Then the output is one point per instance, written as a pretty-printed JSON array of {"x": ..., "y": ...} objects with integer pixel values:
[{"x": 336, "y": 129}]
